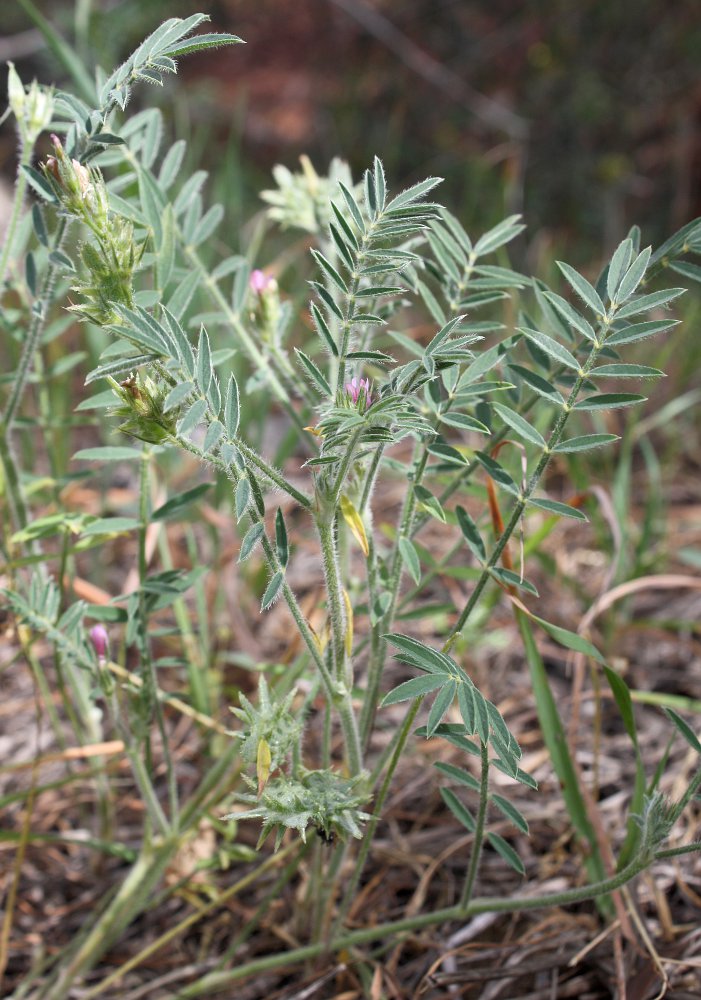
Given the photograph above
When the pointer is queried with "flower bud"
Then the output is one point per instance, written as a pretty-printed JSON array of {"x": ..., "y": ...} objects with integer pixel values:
[
  {"x": 33, "y": 107},
  {"x": 100, "y": 640}
]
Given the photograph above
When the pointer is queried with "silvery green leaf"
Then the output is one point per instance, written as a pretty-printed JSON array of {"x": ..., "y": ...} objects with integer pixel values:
[
  {"x": 322, "y": 328},
  {"x": 626, "y": 371},
  {"x": 410, "y": 558},
  {"x": 609, "y": 401},
  {"x": 506, "y": 851},
  {"x": 175, "y": 505},
  {"x": 431, "y": 302},
  {"x": 461, "y": 812},
  {"x": 471, "y": 534},
  {"x": 420, "y": 654},
  {"x": 555, "y": 507},
  {"x": 498, "y": 473},
  {"x": 444, "y": 699},
  {"x": 551, "y": 347},
  {"x": 413, "y": 194},
  {"x": 353, "y": 206},
  {"x": 518, "y": 424},
  {"x": 188, "y": 191},
  {"x": 458, "y": 773},
  {"x": 193, "y": 416},
  {"x": 443, "y": 258},
  {"x": 583, "y": 288},
  {"x": 692, "y": 271},
  {"x": 327, "y": 299},
  {"x": 417, "y": 687},
  {"x": 326, "y": 265},
  {"x": 152, "y": 204},
  {"x": 232, "y": 407},
  {"x": 172, "y": 161},
  {"x": 429, "y": 502},
  {"x": 182, "y": 343},
  {"x": 214, "y": 395},
  {"x": 345, "y": 227},
  {"x": 142, "y": 330},
  {"x": 508, "y": 578},
  {"x": 342, "y": 246},
  {"x": 618, "y": 266},
  {"x": 39, "y": 183},
  {"x": 108, "y": 453},
  {"x": 314, "y": 373},
  {"x": 379, "y": 183},
  {"x": 647, "y": 302},
  {"x": 177, "y": 395},
  {"x": 243, "y": 495},
  {"x": 443, "y": 334},
  {"x": 585, "y": 442},
  {"x": 538, "y": 384},
  {"x": 207, "y": 224},
  {"x": 121, "y": 367},
  {"x": 199, "y": 43},
  {"x": 570, "y": 315},
  {"x": 464, "y": 422},
  {"x": 215, "y": 432},
  {"x": 639, "y": 331},
  {"x": 281, "y": 543},
  {"x": 182, "y": 296},
  {"x": 204, "y": 362},
  {"x": 502, "y": 233},
  {"x": 633, "y": 276},
  {"x": 510, "y": 811},
  {"x": 253, "y": 534},
  {"x": 272, "y": 590}
]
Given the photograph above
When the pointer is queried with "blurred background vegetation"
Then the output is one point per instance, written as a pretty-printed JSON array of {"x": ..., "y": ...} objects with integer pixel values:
[{"x": 584, "y": 116}]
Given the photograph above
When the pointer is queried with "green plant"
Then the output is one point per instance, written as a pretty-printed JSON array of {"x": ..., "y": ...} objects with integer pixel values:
[{"x": 118, "y": 230}]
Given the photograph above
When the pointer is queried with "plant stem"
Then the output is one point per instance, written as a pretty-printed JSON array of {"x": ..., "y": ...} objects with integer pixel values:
[
  {"x": 366, "y": 843},
  {"x": 222, "y": 980},
  {"x": 148, "y": 670},
  {"x": 327, "y": 538},
  {"x": 13, "y": 486},
  {"x": 337, "y": 693},
  {"x": 478, "y": 841}
]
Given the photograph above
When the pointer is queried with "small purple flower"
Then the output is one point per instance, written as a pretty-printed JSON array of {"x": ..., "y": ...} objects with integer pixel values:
[
  {"x": 358, "y": 389},
  {"x": 100, "y": 640},
  {"x": 260, "y": 282}
]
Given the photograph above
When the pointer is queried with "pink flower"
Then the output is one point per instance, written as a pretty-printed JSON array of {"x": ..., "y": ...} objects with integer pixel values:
[
  {"x": 359, "y": 389},
  {"x": 260, "y": 282},
  {"x": 100, "y": 640}
]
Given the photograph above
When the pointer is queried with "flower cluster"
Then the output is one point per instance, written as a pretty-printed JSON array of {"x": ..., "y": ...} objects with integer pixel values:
[
  {"x": 358, "y": 393},
  {"x": 109, "y": 263},
  {"x": 142, "y": 405},
  {"x": 323, "y": 800},
  {"x": 80, "y": 190}
]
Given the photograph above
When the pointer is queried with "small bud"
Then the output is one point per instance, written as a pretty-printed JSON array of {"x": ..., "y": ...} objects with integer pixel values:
[
  {"x": 100, "y": 640},
  {"x": 33, "y": 107},
  {"x": 15, "y": 92}
]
